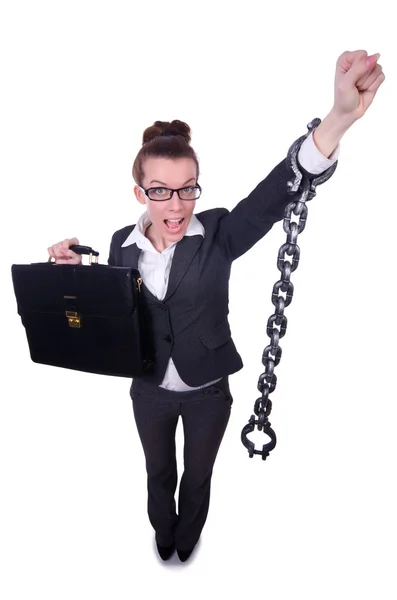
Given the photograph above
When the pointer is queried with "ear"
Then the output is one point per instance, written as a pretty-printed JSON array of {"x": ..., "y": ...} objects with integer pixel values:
[{"x": 140, "y": 196}]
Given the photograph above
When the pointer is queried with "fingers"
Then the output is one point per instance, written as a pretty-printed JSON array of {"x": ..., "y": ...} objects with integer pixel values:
[
  {"x": 354, "y": 55},
  {"x": 70, "y": 242},
  {"x": 70, "y": 257},
  {"x": 50, "y": 251},
  {"x": 353, "y": 60},
  {"x": 365, "y": 82},
  {"x": 348, "y": 58},
  {"x": 372, "y": 88},
  {"x": 62, "y": 254},
  {"x": 360, "y": 70},
  {"x": 61, "y": 261}
]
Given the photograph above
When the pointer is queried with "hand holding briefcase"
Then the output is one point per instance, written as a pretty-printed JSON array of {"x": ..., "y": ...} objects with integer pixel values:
[{"x": 85, "y": 317}]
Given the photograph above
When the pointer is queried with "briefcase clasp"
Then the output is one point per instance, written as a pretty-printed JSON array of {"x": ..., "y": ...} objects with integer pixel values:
[{"x": 73, "y": 318}]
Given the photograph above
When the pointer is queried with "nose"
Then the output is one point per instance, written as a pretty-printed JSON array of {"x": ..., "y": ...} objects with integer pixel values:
[{"x": 175, "y": 203}]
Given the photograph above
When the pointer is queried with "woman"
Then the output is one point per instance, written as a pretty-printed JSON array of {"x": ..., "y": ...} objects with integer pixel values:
[{"x": 185, "y": 260}]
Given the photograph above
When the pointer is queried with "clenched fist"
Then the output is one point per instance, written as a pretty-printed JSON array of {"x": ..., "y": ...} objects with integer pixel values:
[{"x": 357, "y": 80}]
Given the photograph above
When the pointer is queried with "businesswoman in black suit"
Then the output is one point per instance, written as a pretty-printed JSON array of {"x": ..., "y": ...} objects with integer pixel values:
[{"x": 185, "y": 260}]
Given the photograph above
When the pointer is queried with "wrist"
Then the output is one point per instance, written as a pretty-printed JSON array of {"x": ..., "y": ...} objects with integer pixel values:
[
  {"x": 339, "y": 121},
  {"x": 330, "y": 131}
]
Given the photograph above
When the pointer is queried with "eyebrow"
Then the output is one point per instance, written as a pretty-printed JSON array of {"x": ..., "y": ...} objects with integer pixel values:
[{"x": 162, "y": 182}]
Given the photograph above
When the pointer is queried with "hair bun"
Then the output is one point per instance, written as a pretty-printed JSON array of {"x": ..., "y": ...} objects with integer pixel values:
[{"x": 172, "y": 128}]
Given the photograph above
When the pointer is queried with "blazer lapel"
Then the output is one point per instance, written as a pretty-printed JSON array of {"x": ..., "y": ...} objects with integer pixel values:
[{"x": 185, "y": 251}]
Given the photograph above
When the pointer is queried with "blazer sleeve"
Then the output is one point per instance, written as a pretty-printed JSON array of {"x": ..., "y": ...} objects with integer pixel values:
[
  {"x": 118, "y": 238},
  {"x": 255, "y": 215},
  {"x": 112, "y": 251}
]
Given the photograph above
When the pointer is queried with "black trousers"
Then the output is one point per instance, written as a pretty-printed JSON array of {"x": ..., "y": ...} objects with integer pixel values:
[{"x": 205, "y": 414}]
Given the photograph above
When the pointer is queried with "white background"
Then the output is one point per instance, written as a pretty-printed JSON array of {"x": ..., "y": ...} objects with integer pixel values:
[{"x": 80, "y": 83}]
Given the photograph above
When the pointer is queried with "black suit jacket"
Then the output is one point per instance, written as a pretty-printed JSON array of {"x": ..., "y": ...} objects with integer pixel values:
[{"x": 191, "y": 323}]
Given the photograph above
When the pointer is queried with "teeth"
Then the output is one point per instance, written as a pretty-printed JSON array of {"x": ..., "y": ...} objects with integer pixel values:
[{"x": 174, "y": 220}]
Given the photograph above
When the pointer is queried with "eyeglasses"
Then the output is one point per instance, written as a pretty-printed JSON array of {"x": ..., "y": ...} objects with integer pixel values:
[{"x": 161, "y": 194}]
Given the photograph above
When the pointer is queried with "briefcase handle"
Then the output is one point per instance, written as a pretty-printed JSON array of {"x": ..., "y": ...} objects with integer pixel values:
[{"x": 83, "y": 250}]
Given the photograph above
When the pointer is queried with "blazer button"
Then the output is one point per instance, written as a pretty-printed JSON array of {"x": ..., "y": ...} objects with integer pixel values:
[{"x": 168, "y": 338}]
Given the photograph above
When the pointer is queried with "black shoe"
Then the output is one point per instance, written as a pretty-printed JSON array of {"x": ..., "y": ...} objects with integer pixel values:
[
  {"x": 165, "y": 552},
  {"x": 184, "y": 554}
]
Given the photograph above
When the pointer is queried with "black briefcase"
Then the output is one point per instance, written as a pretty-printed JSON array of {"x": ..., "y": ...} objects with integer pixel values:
[{"x": 86, "y": 317}]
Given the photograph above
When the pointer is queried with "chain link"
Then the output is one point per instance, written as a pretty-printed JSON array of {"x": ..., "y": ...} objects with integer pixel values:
[{"x": 277, "y": 322}]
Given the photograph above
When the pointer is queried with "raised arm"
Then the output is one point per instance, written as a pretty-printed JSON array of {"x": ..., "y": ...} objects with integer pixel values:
[{"x": 357, "y": 79}]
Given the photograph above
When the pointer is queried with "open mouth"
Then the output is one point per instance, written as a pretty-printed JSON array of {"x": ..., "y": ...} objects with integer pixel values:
[{"x": 174, "y": 225}]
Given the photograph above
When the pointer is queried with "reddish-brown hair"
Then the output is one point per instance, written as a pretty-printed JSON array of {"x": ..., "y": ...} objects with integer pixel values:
[{"x": 156, "y": 145}]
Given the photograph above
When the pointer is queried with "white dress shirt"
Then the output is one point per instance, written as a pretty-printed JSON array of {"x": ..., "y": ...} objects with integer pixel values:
[{"x": 155, "y": 266}]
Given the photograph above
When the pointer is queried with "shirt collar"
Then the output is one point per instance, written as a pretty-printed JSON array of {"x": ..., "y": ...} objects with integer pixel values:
[{"x": 137, "y": 235}]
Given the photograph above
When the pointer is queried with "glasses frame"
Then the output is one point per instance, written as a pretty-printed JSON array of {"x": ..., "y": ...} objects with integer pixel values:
[{"x": 172, "y": 192}]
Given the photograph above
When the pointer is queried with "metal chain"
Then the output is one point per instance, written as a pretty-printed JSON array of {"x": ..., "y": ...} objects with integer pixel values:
[{"x": 272, "y": 353}]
